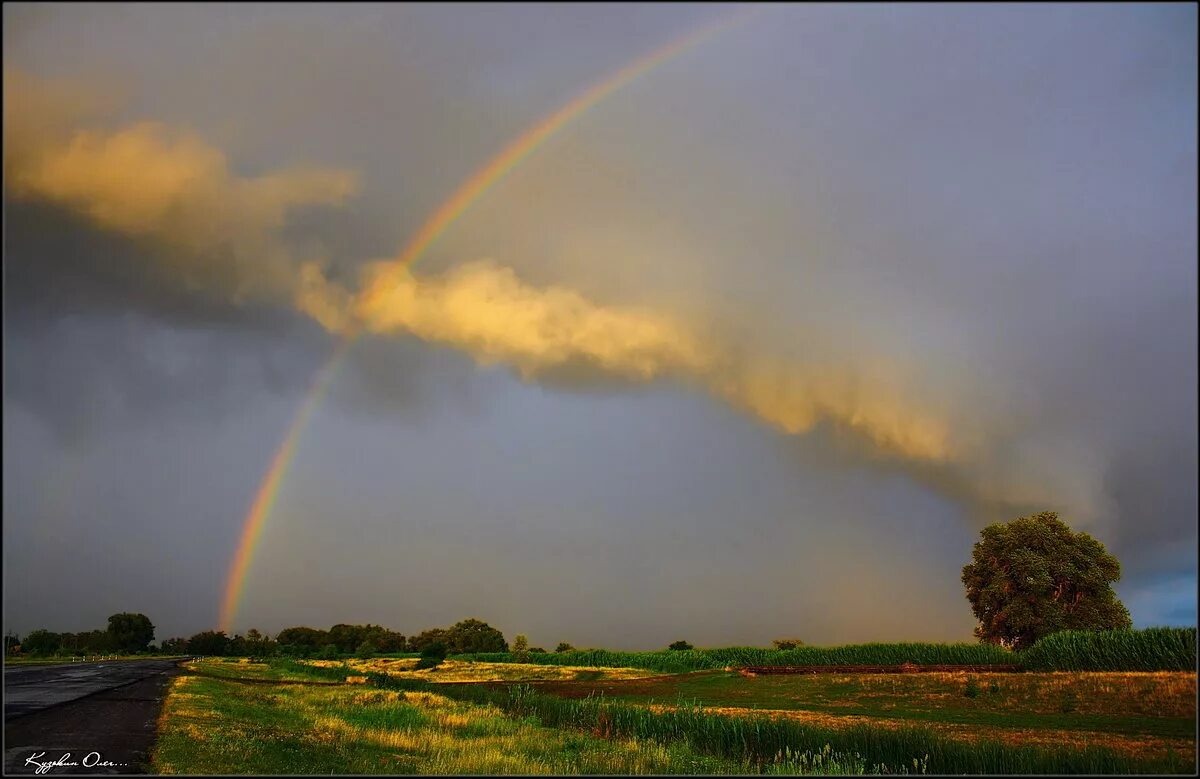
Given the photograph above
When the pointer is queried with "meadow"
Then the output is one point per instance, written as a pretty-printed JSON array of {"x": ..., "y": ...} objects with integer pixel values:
[
  {"x": 382, "y": 715},
  {"x": 215, "y": 724}
]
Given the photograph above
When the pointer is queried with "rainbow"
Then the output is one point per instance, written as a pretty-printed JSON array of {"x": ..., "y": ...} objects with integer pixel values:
[{"x": 437, "y": 224}]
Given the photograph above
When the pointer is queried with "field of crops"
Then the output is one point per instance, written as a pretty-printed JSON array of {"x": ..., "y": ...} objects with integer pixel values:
[
  {"x": 1152, "y": 649},
  {"x": 670, "y": 661}
]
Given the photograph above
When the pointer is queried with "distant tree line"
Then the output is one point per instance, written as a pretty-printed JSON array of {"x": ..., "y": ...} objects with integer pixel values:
[
  {"x": 341, "y": 640},
  {"x": 126, "y": 634}
]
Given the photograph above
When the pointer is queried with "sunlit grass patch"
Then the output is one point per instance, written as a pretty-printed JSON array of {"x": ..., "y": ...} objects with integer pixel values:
[
  {"x": 220, "y": 725},
  {"x": 465, "y": 671}
]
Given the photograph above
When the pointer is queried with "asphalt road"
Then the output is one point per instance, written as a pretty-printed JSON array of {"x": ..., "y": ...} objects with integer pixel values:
[{"x": 100, "y": 716}]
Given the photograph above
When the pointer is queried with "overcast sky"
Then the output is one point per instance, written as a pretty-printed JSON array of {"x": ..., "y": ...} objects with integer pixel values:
[{"x": 752, "y": 348}]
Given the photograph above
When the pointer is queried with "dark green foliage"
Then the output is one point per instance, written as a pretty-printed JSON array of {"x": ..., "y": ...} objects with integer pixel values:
[
  {"x": 174, "y": 646},
  {"x": 209, "y": 642},
  {"x": 563, "y": 646},
  {"x": 329, "y": 652},
  {"x": 537, "y": 650},
  {"x": 465, "y": 637},
  {"x": 787, "y": 643},
  {"x": 366, "y": 650},
  {"x": 1152, "y": 649},
  {"x": 41, "y": 642},
  {"x": 1034, "y": 576},
  {"x": 680, "y": 646},
  {"x": 130, "y": 632},
  {"x": 308, "y": 642},
  {"x": 432, "y": 656},
  {"x": 349, "y": 638},
  {"x": 972, "y": 688},
  {"x": 679, "y": 661},
  {"x": 419, "y": 642},
  {"x": 302, "y": 637},
  {"x": 89, "y": 642},
  {"x": 254, "y": 645},
  {"x": 472, "y": 635}
]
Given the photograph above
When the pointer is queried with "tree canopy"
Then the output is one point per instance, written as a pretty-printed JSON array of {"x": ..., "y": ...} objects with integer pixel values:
[
  {"x": 1034, "y": 576},
  {"x": 130, "y": 632},
  {"x": 472, "y": 635}
]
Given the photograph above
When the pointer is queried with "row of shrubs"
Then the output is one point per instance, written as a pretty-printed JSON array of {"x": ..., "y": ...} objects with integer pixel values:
[
  {"x": 760, "y": 742},
  {"x": 1151, "y": 649}
]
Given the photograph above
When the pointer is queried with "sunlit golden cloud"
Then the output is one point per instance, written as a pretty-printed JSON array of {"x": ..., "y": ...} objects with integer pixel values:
[{"x": 218, "y": 232}]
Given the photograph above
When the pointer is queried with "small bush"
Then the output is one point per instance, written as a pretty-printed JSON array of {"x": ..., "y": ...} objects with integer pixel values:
[
  {"x": 563, "y": 646},
  {"x": 428, "y": 662},
  {"x": 993, "y": 688},
  {"x": 329, "y": 652},
  {"x": 972, "y": 688},
  {"x": 680, "y": 646},
  {"x": 787, "y": 643}
]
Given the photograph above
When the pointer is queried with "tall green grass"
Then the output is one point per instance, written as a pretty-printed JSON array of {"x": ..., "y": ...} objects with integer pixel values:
[
  {"x": 669, "y": 661},
  {"x": 759, "y": 741},
  {"x": 1151, "y": 649}
]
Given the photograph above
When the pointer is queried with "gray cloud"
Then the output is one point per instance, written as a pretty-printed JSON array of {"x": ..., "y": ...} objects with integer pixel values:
[{"x": 986, "y": 212}]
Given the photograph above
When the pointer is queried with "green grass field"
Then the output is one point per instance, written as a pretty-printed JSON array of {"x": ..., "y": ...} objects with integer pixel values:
[
  {"x": 1133, "y": 712},
  {"x": 212, "y": 724},
  {"x": 382, "y": 717}
]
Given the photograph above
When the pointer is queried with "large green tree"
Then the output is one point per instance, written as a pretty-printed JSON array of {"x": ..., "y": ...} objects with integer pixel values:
[
  {"x": 309, "y": 638},
  {"x": 130, "y": 632},
  {"x": 1034, "y": 576},
  {"x": 209, "y": 642},
  {"x": 473, "y": 635},
  {"x": 41, "y": 642}
]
